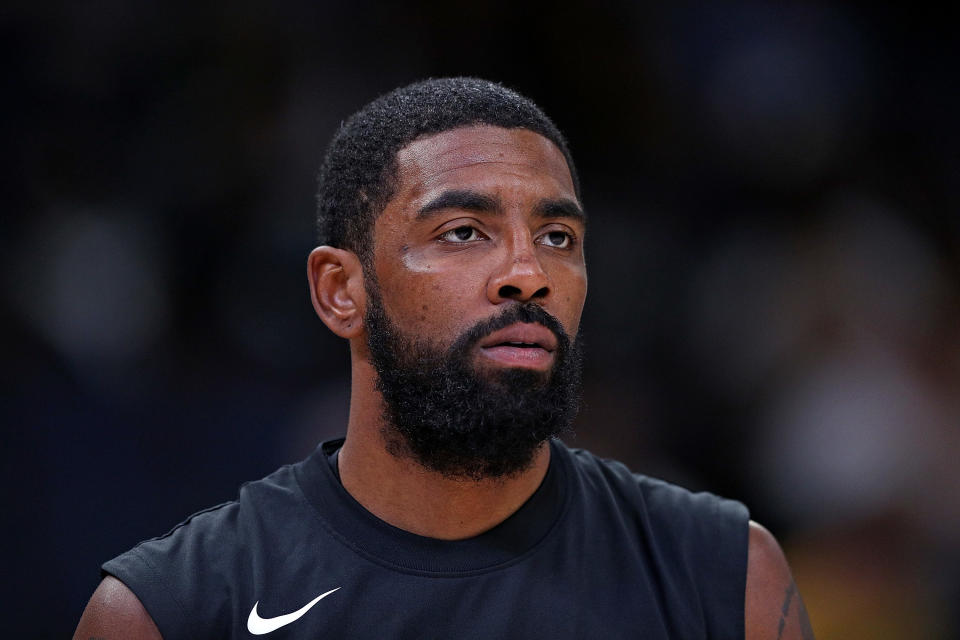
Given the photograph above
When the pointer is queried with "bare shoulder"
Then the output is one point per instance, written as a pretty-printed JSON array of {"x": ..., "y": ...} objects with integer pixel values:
[
  {"x": 774, "y": 609},
  {"x": 114, "y": 611}
]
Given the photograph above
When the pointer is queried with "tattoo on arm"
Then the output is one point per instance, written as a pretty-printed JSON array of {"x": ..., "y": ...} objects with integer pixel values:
[
  {"x": 806, "y": 631},
  {"x": 788, "y": 598}
]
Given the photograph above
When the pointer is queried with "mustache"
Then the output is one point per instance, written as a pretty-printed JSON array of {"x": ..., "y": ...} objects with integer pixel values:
[{"x": 527, "y": 313}]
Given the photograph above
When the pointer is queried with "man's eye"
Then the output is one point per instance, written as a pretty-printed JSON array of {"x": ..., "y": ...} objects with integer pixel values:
[
  {"x": 461, "y": 235},
  {"x": 556, "y": 239}
]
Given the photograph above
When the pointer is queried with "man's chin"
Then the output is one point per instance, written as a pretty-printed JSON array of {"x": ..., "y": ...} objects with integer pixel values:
[
  {"x": 463, "y": 463},
  {"x": 464, "y": 414}
]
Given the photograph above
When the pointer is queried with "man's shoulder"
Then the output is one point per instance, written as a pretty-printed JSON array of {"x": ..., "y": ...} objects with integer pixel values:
[
  {"x": 658, "y": 499},
  {"x": 217, "y": 524},
  {"x": 189, "y": 572},
  {"x": 694, "y": 541}
]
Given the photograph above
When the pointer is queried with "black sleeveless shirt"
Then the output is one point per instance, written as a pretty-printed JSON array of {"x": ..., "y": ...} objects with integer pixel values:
[{"x": 596, "y": 552}]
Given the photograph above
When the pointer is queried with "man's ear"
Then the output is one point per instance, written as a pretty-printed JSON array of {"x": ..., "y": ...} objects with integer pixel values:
[{"x": 336, "y": 288}]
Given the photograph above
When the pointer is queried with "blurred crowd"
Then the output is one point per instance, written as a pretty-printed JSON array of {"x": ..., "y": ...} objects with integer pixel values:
[{"x": 774, "y": 254}]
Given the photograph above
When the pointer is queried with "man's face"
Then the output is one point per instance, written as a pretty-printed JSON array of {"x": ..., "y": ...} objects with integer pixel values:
[
  {"x": 482, "y": 218},
  {"x": 478, "y": 285}
]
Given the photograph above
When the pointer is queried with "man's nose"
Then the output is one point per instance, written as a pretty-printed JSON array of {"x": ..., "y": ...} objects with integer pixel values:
[{"x": 520, "y": 276}]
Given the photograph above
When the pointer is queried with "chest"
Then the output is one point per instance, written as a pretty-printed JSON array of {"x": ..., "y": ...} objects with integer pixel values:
[{"x": 557, "y": 592}]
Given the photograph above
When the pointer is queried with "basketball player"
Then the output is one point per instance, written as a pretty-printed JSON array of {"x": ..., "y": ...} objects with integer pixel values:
[{"x": 452, "y": 262}]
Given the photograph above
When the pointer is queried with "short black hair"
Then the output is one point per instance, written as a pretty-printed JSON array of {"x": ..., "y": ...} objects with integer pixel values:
[{"x": 358, "y": 174}]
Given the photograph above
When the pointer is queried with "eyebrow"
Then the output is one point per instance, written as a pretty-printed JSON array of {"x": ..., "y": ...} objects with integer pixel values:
[
  {"x": 459, "y": 199},
  {"x": 560, "y": 208},
  {"x": 481, "y": 203}
]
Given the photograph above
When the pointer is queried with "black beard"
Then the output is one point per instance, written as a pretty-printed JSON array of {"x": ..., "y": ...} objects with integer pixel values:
[{"x": 466, "y": 424}]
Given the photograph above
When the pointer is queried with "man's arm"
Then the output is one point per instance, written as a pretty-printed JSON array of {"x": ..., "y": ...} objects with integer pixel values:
[
  {"x": 774, "y": 609},
  {"x": 114, "y": 612}
]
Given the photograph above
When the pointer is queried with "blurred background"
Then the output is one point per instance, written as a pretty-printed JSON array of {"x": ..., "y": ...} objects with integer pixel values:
[{"x": 774, "y": 309}]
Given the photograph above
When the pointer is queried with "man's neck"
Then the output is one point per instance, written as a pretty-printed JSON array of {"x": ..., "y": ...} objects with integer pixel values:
[
  {"x": 403, "y": 493},
  {"x": 408, "y": 496}
]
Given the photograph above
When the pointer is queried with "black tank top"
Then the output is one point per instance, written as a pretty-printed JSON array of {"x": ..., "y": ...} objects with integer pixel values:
[{"x": 596, "y": 552}]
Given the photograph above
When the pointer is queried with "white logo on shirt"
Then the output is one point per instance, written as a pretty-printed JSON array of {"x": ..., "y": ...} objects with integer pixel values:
[{"x": 259, "y": 626}]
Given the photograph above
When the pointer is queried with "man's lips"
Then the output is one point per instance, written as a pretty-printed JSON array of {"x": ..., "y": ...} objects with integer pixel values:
[
  {"x": 522, "y": 344},
  {"x": 522, "y": 334}
]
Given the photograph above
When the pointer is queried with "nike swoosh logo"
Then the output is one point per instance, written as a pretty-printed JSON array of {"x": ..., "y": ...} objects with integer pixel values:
[{"x": 259, "y": 626}]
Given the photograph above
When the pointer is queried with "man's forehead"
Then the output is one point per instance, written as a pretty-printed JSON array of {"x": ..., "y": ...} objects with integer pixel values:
[{"x": 434, "y": 158}]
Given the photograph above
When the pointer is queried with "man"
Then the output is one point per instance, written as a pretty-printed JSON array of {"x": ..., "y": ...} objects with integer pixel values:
[{"x": 452, "y": 262}]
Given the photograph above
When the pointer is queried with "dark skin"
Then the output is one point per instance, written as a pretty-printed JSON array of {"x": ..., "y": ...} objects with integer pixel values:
[{"x": 482, "y": 217}]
